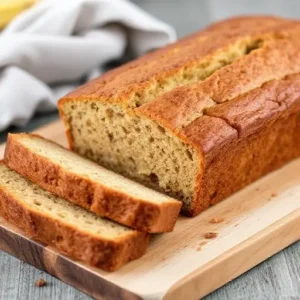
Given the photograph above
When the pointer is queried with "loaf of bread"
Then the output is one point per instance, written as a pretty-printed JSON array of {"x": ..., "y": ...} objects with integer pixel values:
[
  {"x": 73, "y": 230},
  {"x": 89, "y": 185},
  {"x": 201, "y": 118}
]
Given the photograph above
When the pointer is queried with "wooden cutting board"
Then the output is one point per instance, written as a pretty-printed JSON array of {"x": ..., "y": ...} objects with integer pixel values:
[{"x": 257, "y": 222}]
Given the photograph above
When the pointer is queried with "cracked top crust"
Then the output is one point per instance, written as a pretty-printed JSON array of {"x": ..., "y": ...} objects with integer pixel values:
[
  {"x": 212, "y": 87},
  {"x": 126, "y": 85}
]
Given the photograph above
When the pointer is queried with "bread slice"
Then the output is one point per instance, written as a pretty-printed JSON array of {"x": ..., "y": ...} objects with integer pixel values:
[
  {"x": 73, "y": 230},
  {"x": 84, "y": 183}
]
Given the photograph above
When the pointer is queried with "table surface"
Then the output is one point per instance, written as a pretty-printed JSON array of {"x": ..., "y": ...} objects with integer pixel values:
[{"x": 276, "y": 278}]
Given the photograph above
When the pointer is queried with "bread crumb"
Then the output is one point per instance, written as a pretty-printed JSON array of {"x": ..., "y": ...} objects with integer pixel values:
[
  {"x": 210, "y": 235},
  {"x": 40, "y": 283},
  {"x": 203, "y": 243},
  {"x": 216, "y": 220},
  {"x": 274, "y": 194},
  {"x": 199, "y": 248}
]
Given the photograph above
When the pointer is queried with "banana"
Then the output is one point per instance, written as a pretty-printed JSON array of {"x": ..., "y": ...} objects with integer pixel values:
[{"x": 11, "y": 8}]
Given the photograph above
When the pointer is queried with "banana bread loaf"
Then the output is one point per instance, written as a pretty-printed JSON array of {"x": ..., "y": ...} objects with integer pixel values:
[{"x": 201, "y": 118}]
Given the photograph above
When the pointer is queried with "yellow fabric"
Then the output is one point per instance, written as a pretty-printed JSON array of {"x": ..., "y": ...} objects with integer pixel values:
[{"x": 11, "y": 8}]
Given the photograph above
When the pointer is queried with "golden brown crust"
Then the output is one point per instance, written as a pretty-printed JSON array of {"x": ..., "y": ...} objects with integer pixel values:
[
  {"x": 96, "y": 251},
  {"x": 178, "y": 108},
  {"x": 250, "y": 112},
  {"x": 104, "y": 201},
  {"x": 247, "y": 159},
  {"x": 120, "y": 84}
]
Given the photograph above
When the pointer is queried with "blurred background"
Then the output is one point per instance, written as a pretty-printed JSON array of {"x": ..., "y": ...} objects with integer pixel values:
[
  {"x": 184, "y": 16},
  {"x": 187, "y": 16}
]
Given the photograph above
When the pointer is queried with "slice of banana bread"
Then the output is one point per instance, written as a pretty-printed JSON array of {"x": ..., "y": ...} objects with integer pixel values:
[
  {"x": 73, "y": 230},
  {"x": 89, "y": 185},
  {"x": 201, "y": 118}
]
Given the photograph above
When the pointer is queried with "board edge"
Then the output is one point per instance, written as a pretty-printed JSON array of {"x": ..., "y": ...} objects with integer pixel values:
[{"x": 263, "y": 245}]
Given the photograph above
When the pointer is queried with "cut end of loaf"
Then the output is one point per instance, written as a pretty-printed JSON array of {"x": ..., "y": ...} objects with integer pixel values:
[{"x": 135, "y": 147}]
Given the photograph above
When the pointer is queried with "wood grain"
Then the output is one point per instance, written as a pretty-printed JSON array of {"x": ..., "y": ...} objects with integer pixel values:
[{"x": 258, "y": 221}]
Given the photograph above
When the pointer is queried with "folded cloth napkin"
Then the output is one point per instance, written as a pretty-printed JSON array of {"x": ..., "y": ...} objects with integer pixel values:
[{"x": 46, "y": 51}]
